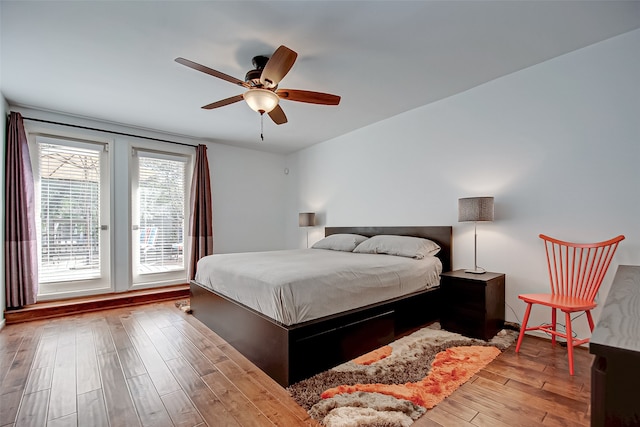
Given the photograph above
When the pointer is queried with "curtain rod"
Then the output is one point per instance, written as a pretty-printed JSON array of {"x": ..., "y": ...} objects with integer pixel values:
[{"x": 108, "y": 131}]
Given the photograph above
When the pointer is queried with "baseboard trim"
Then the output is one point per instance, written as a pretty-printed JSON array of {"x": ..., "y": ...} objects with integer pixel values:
[{"x": 49, "y": 309}]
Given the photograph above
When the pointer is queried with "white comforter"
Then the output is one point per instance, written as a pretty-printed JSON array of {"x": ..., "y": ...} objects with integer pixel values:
[{"x": 295, "y": 286}]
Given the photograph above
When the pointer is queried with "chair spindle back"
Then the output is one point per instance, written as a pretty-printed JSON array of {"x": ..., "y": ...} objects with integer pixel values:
[{"x": 577, "y": 269}]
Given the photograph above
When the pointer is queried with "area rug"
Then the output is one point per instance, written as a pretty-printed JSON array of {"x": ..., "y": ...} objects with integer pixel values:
[{"x": 396, "y": 384}]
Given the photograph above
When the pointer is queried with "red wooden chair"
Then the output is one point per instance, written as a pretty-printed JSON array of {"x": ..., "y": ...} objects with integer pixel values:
[{"x": 576, "y": 271}]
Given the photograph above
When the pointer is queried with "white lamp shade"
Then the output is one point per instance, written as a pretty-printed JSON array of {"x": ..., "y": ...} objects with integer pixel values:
[
  {"x": 475, "y": 209},
  {"x": 261, "y": 100}
]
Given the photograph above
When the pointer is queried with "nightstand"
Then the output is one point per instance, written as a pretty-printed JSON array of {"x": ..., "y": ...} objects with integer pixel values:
[{"x": 473, "y": 304}]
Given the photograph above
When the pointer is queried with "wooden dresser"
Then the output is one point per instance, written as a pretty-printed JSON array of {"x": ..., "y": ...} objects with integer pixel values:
[{"x": 615, "y": 374}]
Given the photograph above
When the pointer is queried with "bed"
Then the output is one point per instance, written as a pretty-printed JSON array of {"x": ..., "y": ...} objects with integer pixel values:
[{"x": 291, "y": 347}]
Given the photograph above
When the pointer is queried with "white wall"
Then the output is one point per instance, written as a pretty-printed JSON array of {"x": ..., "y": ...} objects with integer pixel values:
[
  {"x": 557, "y": 144},
  {"x": 249, "y": 195}
]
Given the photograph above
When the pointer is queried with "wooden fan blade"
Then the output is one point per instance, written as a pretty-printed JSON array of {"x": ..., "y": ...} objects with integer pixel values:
[
  {"x": 278, "y": 66},
  {"x": 308, "y": 96},
  {"x": 223, "y": 102},
  {"x": 211, "y": 72},
  {"x": 278, "y": 116}
]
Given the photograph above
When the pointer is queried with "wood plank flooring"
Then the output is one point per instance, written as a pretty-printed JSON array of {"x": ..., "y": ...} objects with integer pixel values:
[{"x": 153, "y": 365}]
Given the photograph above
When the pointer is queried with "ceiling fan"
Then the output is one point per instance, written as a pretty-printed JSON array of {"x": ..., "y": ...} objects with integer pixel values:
[{"x": 263, "y": 95}]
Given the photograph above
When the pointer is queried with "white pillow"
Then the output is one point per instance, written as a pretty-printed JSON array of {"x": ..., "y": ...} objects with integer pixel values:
[
  {"x": 411, "y": 247},
  {"x": 340, "y": 242}
]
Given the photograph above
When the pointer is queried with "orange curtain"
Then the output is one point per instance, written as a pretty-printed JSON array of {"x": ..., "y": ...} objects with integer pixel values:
[
  {"x": 20, "y": 240},
  {"x": 200, "y": 217}
]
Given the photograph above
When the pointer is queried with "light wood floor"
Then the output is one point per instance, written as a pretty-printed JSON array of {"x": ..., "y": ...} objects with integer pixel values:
[{"x": 153, "y": 365}]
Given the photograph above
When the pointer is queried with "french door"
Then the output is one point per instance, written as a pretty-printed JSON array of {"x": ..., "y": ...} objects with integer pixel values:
[
  {"x": 72, "y": 207},
  {"x": 158, "y": 188},
  {"x": 79, "y": 227}
]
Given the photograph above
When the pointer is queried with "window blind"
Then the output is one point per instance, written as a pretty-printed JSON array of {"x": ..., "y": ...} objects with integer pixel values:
[
  {"x": 70, "y": 212},
  {"x": 161, "y": 190}
]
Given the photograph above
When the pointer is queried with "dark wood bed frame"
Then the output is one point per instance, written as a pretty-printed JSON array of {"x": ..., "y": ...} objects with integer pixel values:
[{"x": 291, "y": 353}]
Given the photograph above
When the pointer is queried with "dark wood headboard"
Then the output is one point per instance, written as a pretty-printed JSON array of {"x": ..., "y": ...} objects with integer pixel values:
[{"x": 442, "y": 235}]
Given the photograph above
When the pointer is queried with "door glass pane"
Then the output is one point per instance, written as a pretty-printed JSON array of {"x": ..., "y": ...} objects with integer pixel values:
[
  {"x": 70, "y": 213},
  {"x": 161, "y": 190}
]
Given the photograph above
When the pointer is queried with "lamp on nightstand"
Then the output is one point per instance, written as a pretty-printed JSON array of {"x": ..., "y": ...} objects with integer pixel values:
[
  {"x": 475, "y": 209},
  {"x": 307, "y": 219}
]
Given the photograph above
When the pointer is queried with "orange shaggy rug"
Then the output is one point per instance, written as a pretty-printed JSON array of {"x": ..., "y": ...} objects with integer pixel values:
[{"x": 396, "y": 384}]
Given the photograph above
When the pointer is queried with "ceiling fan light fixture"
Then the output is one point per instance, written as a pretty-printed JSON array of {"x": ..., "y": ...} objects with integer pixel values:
[
  {"x": 261, "y": 100},
  {"x": 261, "y": 84}
]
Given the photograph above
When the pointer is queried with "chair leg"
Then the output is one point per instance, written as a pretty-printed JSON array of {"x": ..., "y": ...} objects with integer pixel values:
[
  {"x": 590, "y": 319},
  {"x": 523, "y": 327},
  {"x": 569, "y": 341},
  {"x": 553, "y": 326}
]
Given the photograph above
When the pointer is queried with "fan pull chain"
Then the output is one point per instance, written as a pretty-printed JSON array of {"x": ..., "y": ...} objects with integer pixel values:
[{"x": 262, "y": 125}]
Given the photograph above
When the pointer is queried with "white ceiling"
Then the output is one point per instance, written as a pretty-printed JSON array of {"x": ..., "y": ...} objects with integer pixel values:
[{"x": 114, "y": 60}]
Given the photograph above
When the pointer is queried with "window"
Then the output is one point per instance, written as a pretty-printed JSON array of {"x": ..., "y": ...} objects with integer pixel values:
[
  {"x": 72, "y": 194},
  {"x": 158, "y": 213}
]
